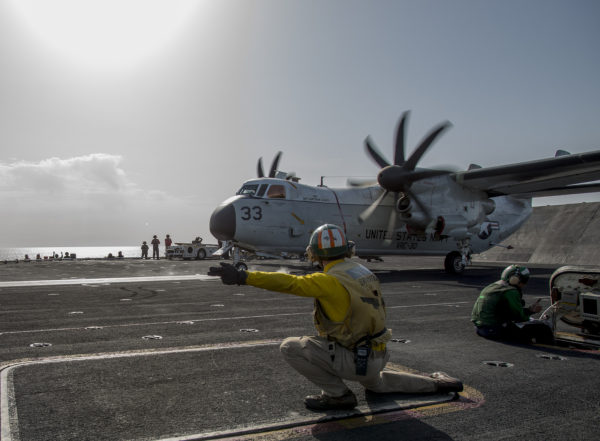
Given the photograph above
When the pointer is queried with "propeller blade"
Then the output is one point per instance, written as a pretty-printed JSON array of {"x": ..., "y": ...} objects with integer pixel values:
[
  {"x": 412, "y": 161},
  {"x": 400, "y": 137},
  {"x": 395, "y": 178},
  {"x": 259, "y": 169},
  {"x": 361, "y": 182},
  {"x": 427, "y": 173},
  {"x": 375, "y": 154},
  {"x": 422, "y": 206},
  {"x": 369, "y": 211},
  {"x": 391, "y": 224},
  {"x": 274, "y": 165}
]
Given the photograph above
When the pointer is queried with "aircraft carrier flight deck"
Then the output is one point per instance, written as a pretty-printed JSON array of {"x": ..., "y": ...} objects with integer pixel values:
[{"x": 155, "y": 350}]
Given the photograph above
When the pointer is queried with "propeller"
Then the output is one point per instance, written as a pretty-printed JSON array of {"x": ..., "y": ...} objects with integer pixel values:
[
  {"x": 399, "y": 176},
  {"x": 274, "y": 165}
]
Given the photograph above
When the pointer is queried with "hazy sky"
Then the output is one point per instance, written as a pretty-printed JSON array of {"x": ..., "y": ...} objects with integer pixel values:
[{"x": 120, "y": 119}]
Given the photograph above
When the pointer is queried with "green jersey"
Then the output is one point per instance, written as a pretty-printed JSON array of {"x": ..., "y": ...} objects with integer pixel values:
[{"x": 499, "y": 303}]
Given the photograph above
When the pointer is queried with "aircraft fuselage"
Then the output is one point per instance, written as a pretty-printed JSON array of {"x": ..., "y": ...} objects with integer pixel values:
[{"x": 277, "y": 215}]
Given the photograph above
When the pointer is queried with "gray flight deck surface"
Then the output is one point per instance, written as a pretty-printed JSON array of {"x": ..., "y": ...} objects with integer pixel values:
[{"x": 190, "y": 358}]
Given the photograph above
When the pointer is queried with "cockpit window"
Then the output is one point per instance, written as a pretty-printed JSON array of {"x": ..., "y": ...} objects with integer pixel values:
[
  {"x": 261, "y": 190},
  {"x": 248, "y": 189},
  {"x": 276, "y": 191}
]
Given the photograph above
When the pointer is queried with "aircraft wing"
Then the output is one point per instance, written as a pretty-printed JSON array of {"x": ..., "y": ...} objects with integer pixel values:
[{"x": 545, "y": 177}]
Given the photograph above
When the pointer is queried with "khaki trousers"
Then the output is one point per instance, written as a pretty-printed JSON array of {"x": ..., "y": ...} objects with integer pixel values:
[{"x": 326, "y": 364}]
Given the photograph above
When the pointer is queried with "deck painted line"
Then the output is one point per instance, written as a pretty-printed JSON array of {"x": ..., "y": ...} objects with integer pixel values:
[
  {"x": 212, "y": 319},
  {"x": 424, "y": 305},
  {"x": 278, "y": 430},
  {"x": 104, "y": 280},
  {"x": 9, "y": 422},
  {"x": 171, "y": 322}
]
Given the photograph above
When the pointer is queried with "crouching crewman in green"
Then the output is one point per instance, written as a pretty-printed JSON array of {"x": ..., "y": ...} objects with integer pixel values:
[
  {"x": 499, "y": 312},
  {"x": 349, "y": 315}
]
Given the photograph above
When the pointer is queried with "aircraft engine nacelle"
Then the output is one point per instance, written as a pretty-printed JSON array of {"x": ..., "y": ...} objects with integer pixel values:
[
  {"x": 475, "y": 212},
  {"x": 488, "y": 206},
  {"x": 468, "y": 223},
  {"x": 404, "y": 205},
  {"x": 459, "y": 227},
  {"x": 411, "y": 215},
  {"x": 459, "y": 233},
  {"x": 453, "y": 225},
  {"x": 417, "y": 220}
]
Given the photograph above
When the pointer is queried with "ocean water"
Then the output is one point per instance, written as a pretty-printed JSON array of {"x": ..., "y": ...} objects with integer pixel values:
[{"x": 81, "y": 252}]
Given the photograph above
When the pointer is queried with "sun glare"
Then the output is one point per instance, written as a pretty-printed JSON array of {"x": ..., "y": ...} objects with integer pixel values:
[{"x": 106, "y": 34}]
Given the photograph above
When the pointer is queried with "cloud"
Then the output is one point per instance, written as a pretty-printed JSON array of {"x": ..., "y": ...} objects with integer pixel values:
[
  {"x": 90, "y": 200},
  {"x": 97, "y": 173}
]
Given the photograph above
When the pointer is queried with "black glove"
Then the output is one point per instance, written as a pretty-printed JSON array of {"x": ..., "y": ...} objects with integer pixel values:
[{"x": 229, "y": 274}]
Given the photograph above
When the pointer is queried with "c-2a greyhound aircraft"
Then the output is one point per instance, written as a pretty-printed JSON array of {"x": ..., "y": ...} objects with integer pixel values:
[{"x": 408, "y": 210}]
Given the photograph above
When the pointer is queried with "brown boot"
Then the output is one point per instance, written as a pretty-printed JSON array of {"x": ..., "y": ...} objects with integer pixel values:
[
  {"x": 327, "y": 402},
  {"x": 445, "y": 383}
]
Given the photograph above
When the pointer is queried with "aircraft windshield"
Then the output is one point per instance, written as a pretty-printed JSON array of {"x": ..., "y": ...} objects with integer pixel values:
[
  {"x": 248, "y": 189},
  {"x": 275, "y": 191}
]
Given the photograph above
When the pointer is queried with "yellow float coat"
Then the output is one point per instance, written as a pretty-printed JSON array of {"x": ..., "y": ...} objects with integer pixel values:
[{"x": 333, "y": 291}]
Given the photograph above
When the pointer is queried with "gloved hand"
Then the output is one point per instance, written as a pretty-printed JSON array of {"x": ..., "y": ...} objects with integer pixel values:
[
  {"x": 229, "y": 274},
  {"x": 535, "y": 307}
]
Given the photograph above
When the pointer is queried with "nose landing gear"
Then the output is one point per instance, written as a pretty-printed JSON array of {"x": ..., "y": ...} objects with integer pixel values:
[{"x": 237, "y": 260}]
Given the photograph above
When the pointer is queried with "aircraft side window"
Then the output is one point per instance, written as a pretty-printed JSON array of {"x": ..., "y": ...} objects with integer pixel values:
[
  {"x": 276, "y": 191},
  {"x": 261, "y": 190},
  {"x": 249, "y": 189}
]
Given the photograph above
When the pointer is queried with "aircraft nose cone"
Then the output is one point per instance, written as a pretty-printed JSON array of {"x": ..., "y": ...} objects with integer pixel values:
[{"x": 222, "y": 222}]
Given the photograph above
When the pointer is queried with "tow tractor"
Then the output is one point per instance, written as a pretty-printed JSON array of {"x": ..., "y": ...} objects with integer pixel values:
[
  {"x": 193, "y": 250},
  {"x": 575, "y": 309}
]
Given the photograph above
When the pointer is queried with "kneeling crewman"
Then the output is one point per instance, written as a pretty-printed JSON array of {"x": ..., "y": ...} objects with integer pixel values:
[
  {"x": 500, "y": 313},
  {"x": 349, "y": 314}
]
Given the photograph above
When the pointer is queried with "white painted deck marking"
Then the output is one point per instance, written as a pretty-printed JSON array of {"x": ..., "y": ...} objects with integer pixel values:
[
  {"x": 105, "y": 280},
  {"x": 9, "y": 417},
  {"x": 427, "y": 304},
  {"x": 212, "y": 319},
  {"x": 8, "y": 411},
  {"x": 125, "y": 325}
]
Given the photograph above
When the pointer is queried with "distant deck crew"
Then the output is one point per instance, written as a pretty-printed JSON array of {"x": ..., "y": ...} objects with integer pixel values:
[
  {"x": 144, "y": 250},
  {"x": 155, "y": 243},
  {"x": 349, "y": 315},
  {"x": 168, "y": 243}
]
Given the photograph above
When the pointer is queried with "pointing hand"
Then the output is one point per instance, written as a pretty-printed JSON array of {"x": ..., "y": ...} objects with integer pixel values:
[{"x": 229, "y": 274}]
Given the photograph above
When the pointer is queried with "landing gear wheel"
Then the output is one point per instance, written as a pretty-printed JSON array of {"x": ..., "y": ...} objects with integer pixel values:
[
  {"x": 453, "y": 263},
  {"x": 241, "y": 266},
  {"x": 201, "y": 254}
]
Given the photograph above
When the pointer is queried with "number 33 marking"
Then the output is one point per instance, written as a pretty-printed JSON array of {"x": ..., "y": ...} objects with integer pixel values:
[{"x": 251, "y": 213}]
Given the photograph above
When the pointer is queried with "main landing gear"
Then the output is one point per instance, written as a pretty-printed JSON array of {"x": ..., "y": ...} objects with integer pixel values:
[{"x": 456, "y": 262}]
